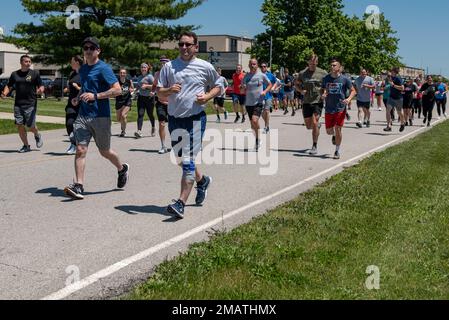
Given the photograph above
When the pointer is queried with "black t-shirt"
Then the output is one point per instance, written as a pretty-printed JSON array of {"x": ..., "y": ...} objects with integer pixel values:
[
  {"x": 125, "y": 97},
  {"x": 25, "y": 84},
  {"x": 428, "y": 92},
  {"x": 289, "y": 80},
  {"x": 408, "y": 92},
  {"x": 74, "y": 78}
]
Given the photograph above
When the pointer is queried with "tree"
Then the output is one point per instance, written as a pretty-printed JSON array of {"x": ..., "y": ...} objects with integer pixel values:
[
  {"x": 300, "y": 27},
  {"x": 127, "y": 30}
]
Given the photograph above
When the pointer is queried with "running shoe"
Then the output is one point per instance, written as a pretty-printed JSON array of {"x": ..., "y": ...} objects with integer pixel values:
[
  {"x": 202, "y": 190},
  {"x": 387, "y": 129},
  {"x": 237, "y": 119},
  {"x": 176, "y": 209},
  {"x": 25, "y": 149},
  {"x": 293, "y": 113},
  {"x": 226, "y": 115},
  {"x": 285, "y": 112},
  {"x": 243, "y": 119},
  {"x": 359, "y": 125},
  {"x": 71, "y": 149},
  {"x": 428, "y": 124},
  {"x": 122, "y": 134},
  {"x": 313, "y": 151},
  {"x": 75, "y": 191},
  {"x": 336, "y": 155},
  {"x": 123, "y": 176},
  {"x": 39, "y": 141},
  {"x": 368, "y": 124},
  {"x": 138, "y": 134},
  {"x": 163, "y": 150},
  {"x": 402, "y": 128},
  {"x": 411, "y": 123},
  {"x": 424, "y": 121},
  {"x": 153, "y": 131}
]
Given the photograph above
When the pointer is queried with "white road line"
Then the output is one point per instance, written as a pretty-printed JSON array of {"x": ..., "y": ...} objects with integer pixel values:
[{"x": 69, "y": 290}]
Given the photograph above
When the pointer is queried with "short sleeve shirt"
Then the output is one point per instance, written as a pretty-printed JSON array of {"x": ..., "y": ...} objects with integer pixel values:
[
  {"x": 25, "y": 84},
  {"x": 254, "y": 83},
  {"x": 311, "y": 81},
  {"x": 336, "y": 92}
]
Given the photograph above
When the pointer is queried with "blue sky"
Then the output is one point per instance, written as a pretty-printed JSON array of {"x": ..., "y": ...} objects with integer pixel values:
[{"x": 421, "y": 26}]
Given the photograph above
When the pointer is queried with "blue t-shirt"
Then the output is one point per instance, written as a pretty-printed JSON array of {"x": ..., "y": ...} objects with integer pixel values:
[
  {"x": 395, "y": 93},
  {"x": 273, "y": 80},
  {"x": 441, "y": 93},
  {"x": 96, "y": 79},
  {"x": 336, "y": 92}
]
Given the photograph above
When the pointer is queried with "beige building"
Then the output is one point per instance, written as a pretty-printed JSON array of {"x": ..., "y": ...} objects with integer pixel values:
[
  {"x": 412, "y": 72},
  {"x": 223, "y": 51},
  {"x": 10, "y": 62}
]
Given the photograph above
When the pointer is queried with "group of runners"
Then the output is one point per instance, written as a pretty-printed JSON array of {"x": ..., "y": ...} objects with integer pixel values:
[{"x": 180, "y": 91}]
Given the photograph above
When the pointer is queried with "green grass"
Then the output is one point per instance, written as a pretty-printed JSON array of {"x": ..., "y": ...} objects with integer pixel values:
[
  {"x": 53, "y": 107},
  {"x": 391, "y": 210},
  {"x": 8, "y": 126}
]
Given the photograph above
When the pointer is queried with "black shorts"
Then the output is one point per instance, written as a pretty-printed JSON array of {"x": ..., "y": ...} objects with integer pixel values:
[
  {"x": 121, "y": 104},
  {"x": 361, "y": 104},
  {"x": 379, "y": 94},
  {"x": 162, "y": 112},
  {"x": 417, "y": 103},
  {"x": 408, "y": 104},
  {"x": 254, "y": 110},
  {"x": 308, "y": 110},
  {"x": 219, "y": 101}
]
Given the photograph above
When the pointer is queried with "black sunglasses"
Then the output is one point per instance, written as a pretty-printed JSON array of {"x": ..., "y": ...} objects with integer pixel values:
[
  {"x": 92, "y": 48},
  {"x": 186, "y": 44}
]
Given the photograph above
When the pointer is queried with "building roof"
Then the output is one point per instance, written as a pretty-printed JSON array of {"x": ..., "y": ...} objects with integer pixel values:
[
  {"x": 8, "y": 47},
  {"x": 225, "y": 35}
]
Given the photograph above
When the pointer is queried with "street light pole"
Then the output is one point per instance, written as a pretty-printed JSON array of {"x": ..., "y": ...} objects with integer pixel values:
[{"x": 271, "y": 50}]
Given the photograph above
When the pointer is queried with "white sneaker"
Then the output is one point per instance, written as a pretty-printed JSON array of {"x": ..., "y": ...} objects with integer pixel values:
[
  {"x": 71, "y": 149},
  {"x": 313, "y": 151},
  {"x": 138, "y": 134},
  {"x": 445, "y": 115},
  {"x": 380, "y": 109},
  {"x": 163, "y": 150}
]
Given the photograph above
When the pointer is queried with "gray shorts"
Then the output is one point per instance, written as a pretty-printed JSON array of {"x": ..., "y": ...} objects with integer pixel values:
[
  {"x": 85, "y": 128},
  {"x": 25, "y": 115},
  {"x": 268, "y": 104},
  {"x": 290, "y": 95},
  {"x": 397, "y": 104}
]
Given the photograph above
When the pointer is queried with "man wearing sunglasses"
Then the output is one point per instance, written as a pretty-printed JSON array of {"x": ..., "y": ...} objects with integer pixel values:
[
  {"x": 189, "y": 83},
  {"x": 98, "y": 85}
]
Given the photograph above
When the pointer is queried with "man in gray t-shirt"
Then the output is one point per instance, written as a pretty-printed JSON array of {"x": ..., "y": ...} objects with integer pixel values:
[
  {"x": 185, "y": 82},
  {"x": 364, "y": 85},
  {"x": 253, "y": 84}
]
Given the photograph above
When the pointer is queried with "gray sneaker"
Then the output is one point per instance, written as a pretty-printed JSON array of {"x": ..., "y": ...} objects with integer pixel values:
[
  {"x": 202, "y": 191},
  {"x": 176, "y": 209},
  {"x": 39, "y": 141}
]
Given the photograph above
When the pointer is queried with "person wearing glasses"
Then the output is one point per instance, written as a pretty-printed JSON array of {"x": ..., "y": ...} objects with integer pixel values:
[
  {"x": 98, "y": 85},
  {"x": 189, "y": 83},
  {"x": 335, "y": 86},
  {"x": 256, "y": 85}
]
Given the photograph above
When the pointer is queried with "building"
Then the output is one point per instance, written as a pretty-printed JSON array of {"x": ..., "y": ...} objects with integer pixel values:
[
  {"x": 223, "y": 51},
  {"x": 412, "y": 72},
  {"x": 10, "y": 62}
]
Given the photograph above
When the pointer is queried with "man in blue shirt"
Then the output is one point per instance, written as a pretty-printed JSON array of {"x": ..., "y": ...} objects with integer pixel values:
[
  {"x": 268, "y": 104},
  {"x": 98, "y": 85},
  {"x": 396, "y": 100}
]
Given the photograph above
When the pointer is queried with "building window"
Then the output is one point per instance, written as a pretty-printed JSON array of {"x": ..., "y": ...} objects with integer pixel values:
[
  {"x": 203, "y": 46},
  {"x": 234, "y": 45}
]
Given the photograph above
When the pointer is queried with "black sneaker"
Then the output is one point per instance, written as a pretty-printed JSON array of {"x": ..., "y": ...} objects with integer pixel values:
[
  {"x": 424, "y": 121},
  {"x": 39, "y": 141},
  {"x": 176, "y": 209},
  {"x": 243, "y": 119},
  {"x": 285, "y": 112},
  {"x": 202, "y": 190},
  {"x": 368, "y": 124},
  {"x": 364, "y": 123},
  {"x": 237, "y": 119},
  {"x": 25, "y": 149},
  {"x": 402, "y": 128},
  {"x": 411, "y": 123},
  {"x": 123, "y": 176},
  {"x": 428, "y": 124},
  {"x": 75, "y": 191},
  {"x": 123, "y": 134},
  {"x": 359, "y": 125},
  {"x": 226, "y": 115},
  {"x": 293, "y": 113},
  {"x": 387, "y": 129},
  {"x": 337, "y": 155},
  {"x": 334, "y": 142}
]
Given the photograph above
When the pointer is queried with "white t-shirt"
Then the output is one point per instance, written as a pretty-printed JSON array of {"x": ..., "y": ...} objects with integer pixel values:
[{"x": 195, "y": 77}]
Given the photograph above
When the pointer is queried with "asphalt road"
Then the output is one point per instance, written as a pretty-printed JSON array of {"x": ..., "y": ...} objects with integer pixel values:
[{"x": 114, "y": 238}]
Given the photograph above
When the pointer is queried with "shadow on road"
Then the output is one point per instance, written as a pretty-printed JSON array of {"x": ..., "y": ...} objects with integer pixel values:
[
  {"x": 150, "y": 209},
  {"x": 57, "y": 154},
  {"x": 59, "y": 193},
  {"x": 146, "y": 150}
]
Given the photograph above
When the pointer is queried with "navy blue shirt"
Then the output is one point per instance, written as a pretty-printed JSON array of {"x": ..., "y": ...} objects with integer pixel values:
[
  {"x": 336, "y": 92},
  {"x": 395, "y": 93},
  {"x": 96, "y": 79}
]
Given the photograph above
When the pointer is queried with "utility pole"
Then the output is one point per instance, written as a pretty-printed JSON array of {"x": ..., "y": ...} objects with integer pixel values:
[{"x": 271, "y": 51}]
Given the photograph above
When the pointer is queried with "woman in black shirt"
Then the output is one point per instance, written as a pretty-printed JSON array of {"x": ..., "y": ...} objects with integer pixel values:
[
  {"x": 124, "y": 101},
  {"x": 428, "y": 90},
  {"x": 71, "y": 111}
]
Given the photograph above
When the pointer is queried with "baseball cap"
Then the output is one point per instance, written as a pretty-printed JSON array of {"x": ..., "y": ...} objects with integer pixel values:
[{"x": 92, "y": 40}]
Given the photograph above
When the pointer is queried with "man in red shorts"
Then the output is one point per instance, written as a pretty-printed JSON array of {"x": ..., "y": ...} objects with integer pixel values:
[{"x": 335, "y": 86}]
